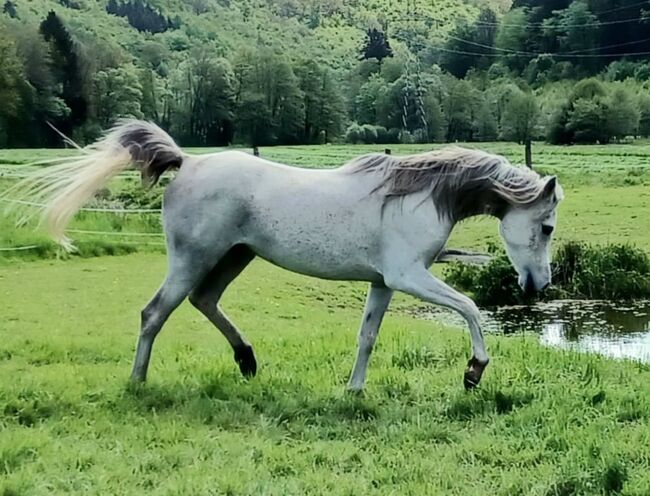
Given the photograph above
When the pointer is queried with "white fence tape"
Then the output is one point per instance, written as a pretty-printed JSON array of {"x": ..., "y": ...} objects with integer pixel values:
[
  {"x": 115, "y": 233},
  {"x": 19, "y": 248}
]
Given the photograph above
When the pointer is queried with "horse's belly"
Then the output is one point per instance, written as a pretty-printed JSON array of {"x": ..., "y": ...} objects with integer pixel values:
[{"x": 319, "y": 261}]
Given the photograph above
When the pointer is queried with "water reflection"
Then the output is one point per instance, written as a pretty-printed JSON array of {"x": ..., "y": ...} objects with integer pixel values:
[{"x": 619, "y": 330}]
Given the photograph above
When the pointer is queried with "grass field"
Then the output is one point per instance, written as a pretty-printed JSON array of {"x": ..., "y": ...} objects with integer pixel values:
[{"x": 545, "y": 422}]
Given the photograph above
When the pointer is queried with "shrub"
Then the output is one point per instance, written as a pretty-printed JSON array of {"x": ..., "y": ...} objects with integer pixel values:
[
  {"x": 616, "y": 271},
  {"x": 353, "y": 134},
  {"x": 370, "y": 135}
]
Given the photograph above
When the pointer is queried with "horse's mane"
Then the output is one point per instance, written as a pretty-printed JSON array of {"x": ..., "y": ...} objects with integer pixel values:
[{"x": 462, "y": 181}]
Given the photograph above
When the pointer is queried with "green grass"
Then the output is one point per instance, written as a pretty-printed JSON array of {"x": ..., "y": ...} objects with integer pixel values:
[{"x": 545, "y": 422}]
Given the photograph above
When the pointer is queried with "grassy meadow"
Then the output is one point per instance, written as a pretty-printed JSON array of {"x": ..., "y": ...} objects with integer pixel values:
[{"x": 544, "y": 422}]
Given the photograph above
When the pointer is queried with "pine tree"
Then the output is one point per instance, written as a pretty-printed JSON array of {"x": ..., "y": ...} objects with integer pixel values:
[
  {"x": 65, "y": 67},
  {"x": 377, "y": 46}
]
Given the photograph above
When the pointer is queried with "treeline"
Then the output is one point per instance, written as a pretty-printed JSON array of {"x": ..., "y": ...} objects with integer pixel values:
[
  {"x": 258, "y": 96},
  {"x": 141, "y": 16},
  {"x": 546, "y": 40},
  {"x": 496, "y": 105},
  {"x": 486, "y": 80}
]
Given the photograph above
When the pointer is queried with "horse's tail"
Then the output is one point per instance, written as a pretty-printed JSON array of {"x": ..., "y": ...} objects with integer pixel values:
[{"x": 59, "y": 190}]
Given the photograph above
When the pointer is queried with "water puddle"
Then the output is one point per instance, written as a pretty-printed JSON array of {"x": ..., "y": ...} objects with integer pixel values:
[{"x": 618, "y": 330}]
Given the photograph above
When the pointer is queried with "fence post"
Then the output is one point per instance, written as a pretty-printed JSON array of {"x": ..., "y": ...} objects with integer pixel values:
[{"x": 256, "y": 151}]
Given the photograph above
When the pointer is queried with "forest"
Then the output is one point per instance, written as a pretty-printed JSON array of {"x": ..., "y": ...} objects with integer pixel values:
[{"x": 266, "y": 72}]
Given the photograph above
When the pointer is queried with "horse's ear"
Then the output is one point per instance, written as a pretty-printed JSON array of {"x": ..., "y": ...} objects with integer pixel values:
[{"x": 549, "y": 189}]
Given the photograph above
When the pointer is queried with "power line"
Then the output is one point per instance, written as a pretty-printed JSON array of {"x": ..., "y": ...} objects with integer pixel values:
[
  {"x": 534, "y": 54},
  {"x": 529, "y": 54},
  {"x": 625, "y": 7},
  {"x": 541, "y": 24}
]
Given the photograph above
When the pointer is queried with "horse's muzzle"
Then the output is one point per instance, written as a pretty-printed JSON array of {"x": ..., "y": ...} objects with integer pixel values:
[{"x": 529, "y": 285}]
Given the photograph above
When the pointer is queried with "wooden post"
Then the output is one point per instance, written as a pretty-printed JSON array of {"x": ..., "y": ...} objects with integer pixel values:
[
  {"x": 256, "y": 151},
  {"x": 387, "y": 151},
  {"x": 529, "y": 153}
]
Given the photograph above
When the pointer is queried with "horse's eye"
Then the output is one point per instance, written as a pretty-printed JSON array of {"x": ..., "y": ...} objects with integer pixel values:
[{"x": 547, "y": 230}]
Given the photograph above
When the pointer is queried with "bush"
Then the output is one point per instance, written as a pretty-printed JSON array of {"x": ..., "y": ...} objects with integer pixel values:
[
  {"x": 610, "y": 272},
  {"x": 353, "y": 134},
  {"x": 370, "y": 135},
  {"x": 492, "y": 284},
  {"x": 579, "y": 271}
]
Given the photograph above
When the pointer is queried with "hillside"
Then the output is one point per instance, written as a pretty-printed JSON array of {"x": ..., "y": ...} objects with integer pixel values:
[
  {"x": 217, "y": 72},
  {"x": 328, "y": 30}
]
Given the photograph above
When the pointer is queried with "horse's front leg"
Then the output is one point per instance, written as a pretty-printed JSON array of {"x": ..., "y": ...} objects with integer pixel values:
[
  {"x": 379, "y": 297},
  {"x": 420, "y": 283}
]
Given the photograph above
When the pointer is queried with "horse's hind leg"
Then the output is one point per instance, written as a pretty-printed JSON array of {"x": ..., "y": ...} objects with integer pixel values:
[
  {"x": 205, "y": 298},
  {"x": 184, "y": 273}
]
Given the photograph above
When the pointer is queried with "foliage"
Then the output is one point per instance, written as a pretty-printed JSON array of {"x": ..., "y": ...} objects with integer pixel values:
[
  {"x": 118, "y": 94},
  {"x": 288, "y": 72},
  {"x": 609, "y": 272},
  {"x": 377, "y": 46},
  {"x": 520, "y": 117},
  {"x": 140, "y": 15},
  {"x": 66, "y": 71},
  {"x": 11, "y": 85},
  {"x": 613, "y": 271},
  {"x": 595, "y": 112},
  {"x": 9, "y": 8}
]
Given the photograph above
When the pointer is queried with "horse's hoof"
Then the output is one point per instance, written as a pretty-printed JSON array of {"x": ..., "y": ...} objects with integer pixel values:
[
  {"x": 245, "y": 358},
  {"x": 473, "y": 373},
  {"x": 355, "y": 390}
]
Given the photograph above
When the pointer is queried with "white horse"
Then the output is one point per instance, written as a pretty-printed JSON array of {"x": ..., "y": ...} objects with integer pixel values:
[{"x": 380, "y": 219}]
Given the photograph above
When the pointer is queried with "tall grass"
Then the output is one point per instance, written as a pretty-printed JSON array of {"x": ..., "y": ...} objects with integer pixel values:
[{"x": 614, "y": 271}]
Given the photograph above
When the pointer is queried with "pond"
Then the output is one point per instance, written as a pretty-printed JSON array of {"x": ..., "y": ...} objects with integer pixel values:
[{"x": 618, "y": 330}]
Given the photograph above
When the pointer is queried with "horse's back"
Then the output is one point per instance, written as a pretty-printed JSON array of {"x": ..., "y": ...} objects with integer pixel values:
[{"x": 314, "y": 221}]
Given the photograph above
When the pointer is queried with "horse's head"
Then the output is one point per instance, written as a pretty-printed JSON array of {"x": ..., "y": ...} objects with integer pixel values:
[{"x": 527, "y": 231}]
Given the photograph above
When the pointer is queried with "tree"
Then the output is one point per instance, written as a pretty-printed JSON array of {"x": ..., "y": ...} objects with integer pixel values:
[
  {"x": 644, "y": 115},
  {"x": 65, "y": 68},
  {"x": 323, "y": 106},
  {"x": 117, "y": 94},
  {"x": 485, "y": 122},
  {"x": 11, "y": 83},
  {"x": 623, "y": 114},
  {"x": 376, "y": 46},
  {"x": 9, "y": 8},
  {"x": 574, "y": 29},
  {"x": 267, "y": 80},
  {"x": 471, "y": 46},
  {"x": 366, "y": 100},
  {"x": 584, "y": 117},
  {"x": 587, "y": 121},
  {"x": 204, "y": 101},
  {"x": 141, "y": 16},
  {"x": 512, "y": 36},
  {"x": 435, "y": 117},
  {"x": 459, "y": 111},
  {"x": 519, "y": 121}
]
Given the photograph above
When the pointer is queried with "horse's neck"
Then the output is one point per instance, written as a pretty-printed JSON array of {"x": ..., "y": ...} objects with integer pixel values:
[{"x": 471, "y": 204}]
